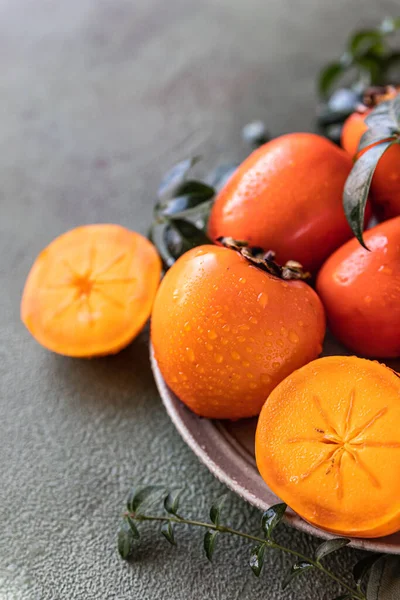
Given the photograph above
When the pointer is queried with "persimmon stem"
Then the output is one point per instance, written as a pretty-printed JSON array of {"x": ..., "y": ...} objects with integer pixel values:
[{"x": 355, "y": 594}]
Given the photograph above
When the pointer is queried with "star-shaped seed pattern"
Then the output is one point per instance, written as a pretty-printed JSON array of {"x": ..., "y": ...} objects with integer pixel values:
[
  {"x": 80, "y": 287},
  {"x": 338, "y": 445}
]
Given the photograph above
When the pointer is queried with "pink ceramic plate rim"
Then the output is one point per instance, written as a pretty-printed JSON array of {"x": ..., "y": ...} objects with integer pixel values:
[{"x": 229, "y": 465}]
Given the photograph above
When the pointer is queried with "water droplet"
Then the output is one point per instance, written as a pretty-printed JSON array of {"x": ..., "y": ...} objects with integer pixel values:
[
  {"x": 187, "y": 326},
  {"x": 209, "y": 346},
  {"x": 199, "y": 368},
  {"x": 174, "y": 379},
  {"x": 249, "y": 375},
  {"x": 226, "y": 327},
  {"x": 368, "y": 299},
  {"x": 293, "y": 337},
  {"x": 235, "y": 387},
  {"x": 199, "y": 253},
  {"x": 217, "y": 313},
  {"x": 284, "y": 284},
  {"x": 235, "y": 376},
  {"x": 268, "y": 344},
  {"x": 175, "y": 294},
  {"x": 284, "y": 331},
  {"x": 253, "y": 320},
  {"x": 280, "y": 343},
  {"x": 262, "y": 299},
  {"x": 224, "y": 341},
  {"x": 252, "y": 385},
  {"x": 244, "y": 327},
  {"x": 241, "y": 338},
  {"x": 246, "y": 363},
  {"x": 386, "y": 270},
  {"x": 265, "y": 378},
  {"x": 242, "y": 280},
  {"x": 212, "y": 334},
  {"x": 249, "y": 350},
  {"x": 182, "y": 376},
  {"x": 235, "y": 330},
  {"x": 259, "y": 356},
  {"x": 275, "y": 365},
  {"x": 235, "y": 355},
  {"x": 268, "y": 332},
  {"x": 200, "y": 329},
  {"x": 190, "y": 354},
  {"x": 218, "y": 358},
  {"x": 300, "y": 323}
]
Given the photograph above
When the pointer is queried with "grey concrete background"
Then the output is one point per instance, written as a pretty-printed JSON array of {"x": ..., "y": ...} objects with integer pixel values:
[{"x": 97, "y": 99}]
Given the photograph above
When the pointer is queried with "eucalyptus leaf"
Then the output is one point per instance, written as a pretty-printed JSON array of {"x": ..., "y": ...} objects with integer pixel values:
[
  {"x": 328, "y": 77},
  {"x": 167, "y": 531},
  {"x": 363, "y": 566},
  {"x": 357, "y": 186},
  {"x": 209, "y": 543},
  {"x": 361, "y": 41},
  {"x": 133, "y": 527},
  {"x": 143, "y": 494},
  {"x": 125, "y": 540},
  {"x": 175, "y": 177},
  {"x": 171, "y": 502},
  {"x": 257, "y": 559},
  {"x": 374, "y": 136},
  {"x": 296, "y": 570},
  {"x": 330, "y": 546},
  {"x": 215, "y": 510},
  {"x": 272, "y": 517}
]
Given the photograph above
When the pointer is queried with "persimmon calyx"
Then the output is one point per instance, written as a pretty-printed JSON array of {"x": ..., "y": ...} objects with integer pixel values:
[{"x": 265, "y": 260}]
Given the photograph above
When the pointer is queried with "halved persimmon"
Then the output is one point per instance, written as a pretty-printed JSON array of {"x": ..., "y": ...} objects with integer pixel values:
[
  {"x": 328, "y": 444},
  {"x": 90, "y": 292}
]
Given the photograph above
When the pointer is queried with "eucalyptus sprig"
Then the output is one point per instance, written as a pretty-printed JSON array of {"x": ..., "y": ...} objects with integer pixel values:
[
  {"x": 383, "y": 132},
  {"x": 171, "y": 518}
]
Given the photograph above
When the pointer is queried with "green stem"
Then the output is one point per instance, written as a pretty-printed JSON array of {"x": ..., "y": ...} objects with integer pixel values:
[{"x": 356, "y": 595}]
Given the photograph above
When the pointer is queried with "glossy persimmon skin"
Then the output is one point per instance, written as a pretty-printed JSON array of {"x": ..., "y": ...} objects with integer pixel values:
[
  {"x": 287, "y": 197},
  {"x": 385, "y": 185},
  {"x": 361, "y": 292},
  {"x": 225, "y": 333},
  {"x": 90, "y": 292},
  {"x": 328, "y": 444}
]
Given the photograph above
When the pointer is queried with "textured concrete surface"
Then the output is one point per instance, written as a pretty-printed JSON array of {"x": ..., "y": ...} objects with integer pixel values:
[{"x": 97, "y": 99}]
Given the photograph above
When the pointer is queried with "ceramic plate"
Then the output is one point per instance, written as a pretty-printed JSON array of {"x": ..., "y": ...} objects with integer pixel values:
[{"x": 227, "y": 449}]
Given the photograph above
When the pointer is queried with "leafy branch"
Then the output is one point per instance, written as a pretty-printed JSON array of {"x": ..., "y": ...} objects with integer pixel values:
[{"x": 141, "y": 498}]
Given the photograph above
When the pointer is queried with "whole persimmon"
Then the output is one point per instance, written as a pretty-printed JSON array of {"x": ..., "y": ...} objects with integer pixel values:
[
  {"x": 328, "y": 444},
  {"x": 360, "y": 290},
  {"x": 385, "y": 185},
  {"x": 225, "y": 332},
  {"x": 90, "y": 292},
  {"x": 287, "y": 197}
]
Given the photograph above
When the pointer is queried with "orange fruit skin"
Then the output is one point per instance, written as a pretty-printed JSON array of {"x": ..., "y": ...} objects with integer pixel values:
[
  {"x": 385, "y": 186},
  {"x": 361, "y": 292},
  {"x": 226, "y": 333},
  {"x": 287, "y": 197},
  {"x": 328, "y": 444},
  {"x": 90, "y": 292}
]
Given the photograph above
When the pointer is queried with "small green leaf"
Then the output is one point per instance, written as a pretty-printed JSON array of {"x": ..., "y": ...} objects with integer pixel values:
[
  {"x": 390, "y": 25},
  {"x": 193, "y": 187},
  {"x": 215, "y": 510},
  {"x": 191, "y": 236},
  {"x": 142, "y": 494},
  {"x": 357, "y": 186},
  {"x": 375, "y": 136},
  {"x": 125, "y": 540},
  {"x": 257, "y": 559},
  {"x": 395, "y": 110},
  {"x": 296, "y": 570},
  {"x": 171, "y": 502},
  {"x": 167, "y": 531},
  {"x": 160, "y": 234},
  {"x": 328, "y": 77},
  {"x": 209, "y": 543},
  {"x": 272, "y": 517},
  {"x": 370, "y": 68},
  {"x": 133, "y": 527},
  {"x": 181, "y": 204},
  {"x": 330, "y": 546},
  {"x": 175, "y": 177},
  {"x": 363, "y": 566},
  {"x": 361, "y": 41}
]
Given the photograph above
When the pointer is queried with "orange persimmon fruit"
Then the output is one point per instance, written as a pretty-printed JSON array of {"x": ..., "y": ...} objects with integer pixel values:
[
  {"x": 287, "y": 197},
  {"x": 360, "y": 290},
  {"x": 328, "y": 444},
  {"x": 225, "y": 332},
  {"x": 90, "y": 292}
]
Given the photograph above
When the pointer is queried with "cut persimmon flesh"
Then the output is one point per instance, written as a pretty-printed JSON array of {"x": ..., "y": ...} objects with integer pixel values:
[
  {"x": 91, "y": 290},
  {"x": 328, "y": 444}
]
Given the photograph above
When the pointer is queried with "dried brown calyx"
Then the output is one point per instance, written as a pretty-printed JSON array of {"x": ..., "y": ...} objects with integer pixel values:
[
  {"x": 265, "y": 260},
  {"x": 376, "y": 94}
]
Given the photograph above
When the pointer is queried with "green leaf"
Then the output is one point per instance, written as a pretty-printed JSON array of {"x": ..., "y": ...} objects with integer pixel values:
[
  {"x": 171, "y": 502},
  {"x": 381, "y": 116},
  {"x": 370, "y": 68},
  {"x": 168, "y": 532},
  {"x": 175, "y": 177},
  {"x": 328, "y": 77},
  {"x": 193, "y": 187},
  {"x": 330, "y": 546},
  {"x": 374, "y": 136},
  {"x": 215, "y": 510},
  {"x": 296, "y": 570},
  {"x": 190, "y": 235},
  {"x": 395, "y": 110},
  {"x": 255, "y": 134},
  {"x": 181, "y": 204},
  {"x": 257, "y": 559},
  {"x": 363, "y": 566},
  {"x": 357, "y": 186},
  {"x": 389, "y": 25},
  {"x": 133, "y": 527},
  {"x": 361, "y": 41},
  {"x": 209, "y": 543},
  {"x": 142, "y": 494},
  {"x": 161, "y": 236},
  {"x": 272, "y": 517},
  {"x": 221, "y": 175},
  {"x": 125, "y": 540}
]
